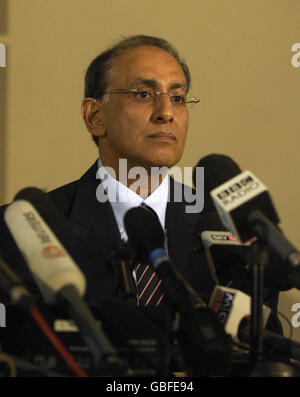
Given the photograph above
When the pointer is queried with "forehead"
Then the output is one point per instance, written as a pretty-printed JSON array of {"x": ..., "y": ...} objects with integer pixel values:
[{"x": 144, "y": 63}]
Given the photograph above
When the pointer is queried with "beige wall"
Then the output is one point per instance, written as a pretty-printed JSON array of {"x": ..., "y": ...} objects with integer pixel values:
[{"x": 240, "y": 58}]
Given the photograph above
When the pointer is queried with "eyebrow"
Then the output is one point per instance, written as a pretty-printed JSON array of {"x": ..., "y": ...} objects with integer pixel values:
[{"x": 155, "y": 84}]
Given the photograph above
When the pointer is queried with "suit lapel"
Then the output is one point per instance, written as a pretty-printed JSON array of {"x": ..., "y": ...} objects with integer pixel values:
[
  {"x": 86, "y": 209},
  {"x": 91, "y": 231},
  {"x": 92, "y": 214}
]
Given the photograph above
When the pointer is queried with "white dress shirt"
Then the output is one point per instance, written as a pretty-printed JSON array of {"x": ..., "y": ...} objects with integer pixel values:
[{"x": 122, "y": 198}]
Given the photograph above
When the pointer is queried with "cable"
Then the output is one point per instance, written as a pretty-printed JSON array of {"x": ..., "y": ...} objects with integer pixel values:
[
  {"x": 70, "y": 360},
  {"x": 21, "y": 297},
  {"x": 24, "y": 365},
  {"x": 4, "y": 358},
  {"x": 279, "y": 344}
]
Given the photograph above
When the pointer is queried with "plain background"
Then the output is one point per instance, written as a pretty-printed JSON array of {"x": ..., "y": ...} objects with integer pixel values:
[{"x": 239, "y": 53}]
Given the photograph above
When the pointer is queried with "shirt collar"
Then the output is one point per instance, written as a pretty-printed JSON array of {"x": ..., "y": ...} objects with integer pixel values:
[{"x": 122, "y": 198}]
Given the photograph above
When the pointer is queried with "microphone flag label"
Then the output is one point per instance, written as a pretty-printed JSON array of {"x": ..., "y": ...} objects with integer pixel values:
[
  {"x": 222, "y": 303},
  {"x": 237, "y": 190}
]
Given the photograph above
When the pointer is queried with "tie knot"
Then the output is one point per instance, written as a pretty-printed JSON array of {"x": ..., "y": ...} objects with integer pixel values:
[{"x": 147, "y": 208}]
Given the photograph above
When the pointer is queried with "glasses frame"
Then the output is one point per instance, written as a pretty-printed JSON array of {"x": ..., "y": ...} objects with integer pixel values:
[{"x": 156, "y": 93}]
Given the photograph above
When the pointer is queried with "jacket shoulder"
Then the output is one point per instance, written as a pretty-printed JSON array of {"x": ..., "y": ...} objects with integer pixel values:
[{"x": 63, "y": 197}]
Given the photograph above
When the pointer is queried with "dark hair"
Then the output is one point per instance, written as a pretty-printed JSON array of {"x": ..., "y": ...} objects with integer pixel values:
[{"x": 97, "y": 73}]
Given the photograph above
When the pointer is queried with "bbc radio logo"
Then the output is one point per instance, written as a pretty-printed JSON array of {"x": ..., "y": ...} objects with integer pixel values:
[
  {"x": 2, "y": 316},
  {"x": 296, "y": 57}
]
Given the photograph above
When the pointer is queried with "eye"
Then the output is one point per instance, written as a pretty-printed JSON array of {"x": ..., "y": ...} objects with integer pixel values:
[
  {"x": 178, "y": 98},
  {"x": 143, "y": 95}
]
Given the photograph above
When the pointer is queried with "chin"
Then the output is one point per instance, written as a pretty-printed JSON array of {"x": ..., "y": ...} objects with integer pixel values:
[{"x": 163, "y": 162}]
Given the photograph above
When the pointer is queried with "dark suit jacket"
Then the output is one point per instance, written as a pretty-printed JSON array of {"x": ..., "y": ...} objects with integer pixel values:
[{"x": 90, "y": 230}]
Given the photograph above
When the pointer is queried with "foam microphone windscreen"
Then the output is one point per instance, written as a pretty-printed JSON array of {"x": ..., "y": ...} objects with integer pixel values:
[
  {"x": 45, "y": 207},
  {"x": 218, "y": 168},
  {"x": 144, "y": 231}
]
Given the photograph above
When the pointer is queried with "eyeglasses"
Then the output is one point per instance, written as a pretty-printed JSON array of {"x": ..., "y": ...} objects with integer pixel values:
[{"x": 148, "y": 96}]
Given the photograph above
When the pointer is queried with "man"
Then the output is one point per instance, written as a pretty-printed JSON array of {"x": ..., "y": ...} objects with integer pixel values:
[{"x": 136, "y": 108}]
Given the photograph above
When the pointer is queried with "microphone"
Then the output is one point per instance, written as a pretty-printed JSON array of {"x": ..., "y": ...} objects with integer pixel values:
[
  {"x": 50, "y": 264},
  {"x": 20, "y": 296},
  {"x": 225, "y": 198},
  {"x": 229, "y": 262},
  {"x": 230, "y": 189},
  {"x": 14, "y": 287},
  {"x": 246, "y": 210},
  {"x": 241, "y": 194},
  {"x": 218, "y": 168},
  {"x": 205, "y": 346},
  {"x": 232, "y": 306},
  {"x": 145, "y": 234},
  {"x": 226, "y": 258},
  {"x": 55, "y": 272},
  {"x": 121, "y": 258},
  {"x": 237, "y": 200}
]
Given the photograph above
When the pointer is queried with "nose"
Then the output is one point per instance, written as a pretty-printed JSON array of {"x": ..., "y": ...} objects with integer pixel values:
[{"x": 163, "y": 111}]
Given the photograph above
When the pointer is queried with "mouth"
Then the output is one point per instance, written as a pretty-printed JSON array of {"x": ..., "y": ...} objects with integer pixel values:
[{"x": 163, "y": 136}]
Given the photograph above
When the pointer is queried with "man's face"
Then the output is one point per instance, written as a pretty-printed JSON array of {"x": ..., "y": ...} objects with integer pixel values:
[{"x": 146, "y": 135}]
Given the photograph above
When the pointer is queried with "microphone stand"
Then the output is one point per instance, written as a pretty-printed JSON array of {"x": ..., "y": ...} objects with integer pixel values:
[
  {"x": 259, "y": 258},
  {"x": 121, "y": 259}
]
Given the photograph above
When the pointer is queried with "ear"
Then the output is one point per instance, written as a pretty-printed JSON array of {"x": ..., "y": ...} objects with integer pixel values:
[{"x": 91, "y": 111}]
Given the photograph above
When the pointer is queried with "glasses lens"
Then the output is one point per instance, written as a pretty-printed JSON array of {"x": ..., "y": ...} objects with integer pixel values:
[{"x": 143, "y": 96}]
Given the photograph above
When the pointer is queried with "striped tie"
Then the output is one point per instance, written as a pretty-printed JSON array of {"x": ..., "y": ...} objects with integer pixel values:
[{"x": 149, "y": 285}]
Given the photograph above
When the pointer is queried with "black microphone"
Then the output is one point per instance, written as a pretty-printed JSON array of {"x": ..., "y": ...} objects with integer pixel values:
[
  {"x": 121, "y": 258},
  {"x": 235, "y": 196},
  {"x": 247, "y": 210},
  {"x": 218, "y": 168},
  {"x": 226, "y": 258},
  {"x": 14, "y": 288},
  {"x": 205, "y": 346},
  {"x": 229, "y": 263},
  {"x": 147, "y": 237}
]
